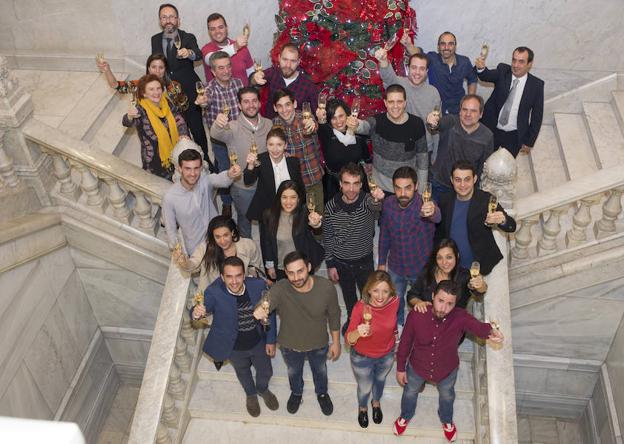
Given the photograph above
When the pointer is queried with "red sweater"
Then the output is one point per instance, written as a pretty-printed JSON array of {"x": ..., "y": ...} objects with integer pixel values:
[
  {"x": 431, "y": 343},
  {"x": 383, "y": 329}
]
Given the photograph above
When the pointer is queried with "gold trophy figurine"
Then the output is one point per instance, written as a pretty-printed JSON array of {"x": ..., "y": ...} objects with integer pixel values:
[
  {"x": 265, "y": 303},
  {"x": 202, "y": 322},
  {"x": 246, "y": 30}
]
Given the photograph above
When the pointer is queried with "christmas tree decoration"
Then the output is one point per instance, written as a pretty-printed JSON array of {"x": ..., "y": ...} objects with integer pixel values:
[{"x": 337, "y": 40}]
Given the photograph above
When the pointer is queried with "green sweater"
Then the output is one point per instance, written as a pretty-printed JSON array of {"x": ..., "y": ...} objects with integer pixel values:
[{"x": 304, "y": 317}]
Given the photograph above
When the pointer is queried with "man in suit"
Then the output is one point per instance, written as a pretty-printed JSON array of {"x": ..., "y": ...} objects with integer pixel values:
[
  {"x": 180, "y": 66},
  {"x": 514, "y": 110},
  {"x": 466, "y": 219},
  {"x": 236, "y": 336}
]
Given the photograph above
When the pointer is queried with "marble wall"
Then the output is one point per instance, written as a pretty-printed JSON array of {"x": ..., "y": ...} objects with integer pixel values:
[
  {"x": 615, "y": 369},
  {"x": 566, "y": 34}
]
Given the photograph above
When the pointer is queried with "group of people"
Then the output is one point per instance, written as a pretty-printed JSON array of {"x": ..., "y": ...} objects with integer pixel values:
[{"x": 304, "y": 171}]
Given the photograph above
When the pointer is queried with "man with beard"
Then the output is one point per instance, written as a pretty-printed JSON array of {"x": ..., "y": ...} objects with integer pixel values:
[
  {"x": 429, "y": 342},
  {"x": 306, "y": 305},
  {"x": 348, "y": 232},
  {"x": 221, "y": 94},
  {"x": 406, "y": 233},
  {"x": 188, "y": 204},
  {"x": 250, "y": 128},
  {"x": 286, "y": 75},
  {"x": 180, "y": 66},
  {"x": 422, "y": 98},
  {"x": 242, "y": 63}
]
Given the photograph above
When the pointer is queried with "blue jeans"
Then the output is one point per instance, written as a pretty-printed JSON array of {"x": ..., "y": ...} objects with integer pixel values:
[
  {"x": 243, "y": 360},
  {"x": 242, "y": 198},
  {"x": 370, "y": 374},
  {"x": 222, "y": 161},
  {"x": 446, "y": 395},
  {"x": 400, "y": 285},
  {"x": 438, "y": 189},
  {"x": 318, "y": 364}
]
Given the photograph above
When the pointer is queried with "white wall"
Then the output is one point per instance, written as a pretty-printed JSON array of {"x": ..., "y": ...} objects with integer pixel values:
[{"x": 615, "y": 369}]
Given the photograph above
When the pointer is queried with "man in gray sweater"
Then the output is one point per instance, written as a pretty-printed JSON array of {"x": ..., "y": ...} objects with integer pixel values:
[{"x": 306, "y": 305}]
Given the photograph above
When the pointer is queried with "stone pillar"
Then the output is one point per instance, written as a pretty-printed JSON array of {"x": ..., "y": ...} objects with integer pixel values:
[{"x": 499, "y": 176}]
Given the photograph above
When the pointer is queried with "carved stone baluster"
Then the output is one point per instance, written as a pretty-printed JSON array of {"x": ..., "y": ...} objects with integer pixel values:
[
  {"x": 143, "y": 211},
  {"x": 550, "y": 232},
  {"x": 62, "y": 172},
  {"x": 523, "y": 238},
  {"x": 187, "y": 331},
  {"x": 182, "y": 358},
  {"x": 611, "y": 209},
  {"x": 162, "y": 434},
  {"x": 7, "y": 171},
  {"x": 581, "y": 220},
  {"x": 117, "y": 198},
  {"x": 176, "y": 384},
  {"x": 90, "y": 185},
  {"x": 170, "y": 412}
]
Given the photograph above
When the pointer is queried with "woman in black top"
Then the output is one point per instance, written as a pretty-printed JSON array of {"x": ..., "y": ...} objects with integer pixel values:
[
  {"x": 444, "y": 265},
  {"x": 339, "y": 146}
]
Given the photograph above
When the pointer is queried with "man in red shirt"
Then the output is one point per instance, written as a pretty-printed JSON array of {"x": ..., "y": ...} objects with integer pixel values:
[
  {"x": 430, "y": 342},
  {"x": 242, "y": 63}
]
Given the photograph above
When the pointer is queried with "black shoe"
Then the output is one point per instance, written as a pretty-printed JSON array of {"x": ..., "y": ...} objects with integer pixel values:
[
  {"x": 326, "y": 404},
  {"x": 218, "y": 364},
  {"x": 226, "y": 210},
  {"x": 293, "y": 403},
  {"x": 377, "y": 415},
  {"x": 363, "y": 418}
]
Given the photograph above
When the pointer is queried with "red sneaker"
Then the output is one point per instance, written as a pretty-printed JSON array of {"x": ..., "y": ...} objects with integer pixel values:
[
  {"x": 450, "y": 431},
  {"x": 399, "y": 426}
]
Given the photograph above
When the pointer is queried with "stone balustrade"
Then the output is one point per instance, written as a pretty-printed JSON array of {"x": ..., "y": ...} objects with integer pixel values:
[
  {"x": 97, "y": 181},
  {"x": 576, "y": 213},
  {"x": 8, "y": 177}
]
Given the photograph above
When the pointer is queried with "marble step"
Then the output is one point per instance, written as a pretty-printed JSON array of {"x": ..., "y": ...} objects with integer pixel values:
[
  {"x": 111, "y": 136},
  {"x": 546, "y": 160},
  {"x": 339, "y": 372},
  {"x": 605, "y": 132},
  {"x": 130, "y": 148},
  {"x": 578, "y": 152},
  {"x": 525, "y": 185},
  {"x": 86, "y": 112},
  {"x": 224, "y": 401}
]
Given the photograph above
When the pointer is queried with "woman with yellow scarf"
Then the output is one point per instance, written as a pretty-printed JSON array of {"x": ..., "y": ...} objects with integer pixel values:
[{"x": 159, "y": 125}]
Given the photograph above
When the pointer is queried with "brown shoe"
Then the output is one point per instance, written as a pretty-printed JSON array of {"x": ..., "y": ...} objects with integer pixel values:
[
  {"x": 270, "y": 400},
  {"x": 226, "y": 211},
  {"x": 253, "y": 406}
]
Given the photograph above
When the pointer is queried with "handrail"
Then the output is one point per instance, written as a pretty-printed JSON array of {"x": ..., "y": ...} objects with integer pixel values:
[
  {"x": 160, "y": 359},
  {"x": 55, "y": 141}
]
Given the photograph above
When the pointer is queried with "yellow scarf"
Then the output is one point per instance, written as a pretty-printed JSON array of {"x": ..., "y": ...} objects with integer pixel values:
[{"x": 166, "y": 139}]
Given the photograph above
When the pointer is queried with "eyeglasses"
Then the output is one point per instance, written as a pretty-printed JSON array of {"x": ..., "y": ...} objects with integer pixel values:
[{"x": 168, "y": 17}]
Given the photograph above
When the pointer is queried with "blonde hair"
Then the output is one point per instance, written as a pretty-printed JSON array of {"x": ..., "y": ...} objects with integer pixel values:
[{"x": 373, "y": 279}]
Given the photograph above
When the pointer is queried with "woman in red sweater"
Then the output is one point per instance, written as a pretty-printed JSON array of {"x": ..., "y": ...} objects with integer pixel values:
[{"x": 372, "y": 335}]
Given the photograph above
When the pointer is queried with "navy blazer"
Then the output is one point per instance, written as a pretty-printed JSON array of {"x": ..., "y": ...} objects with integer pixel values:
[
  {"x": 224, "y": 330},
  {"x": 265, "y": 189},
  {"x": 181, "y": 70},
  {"x": 531, "y": 108},
  {"x": 480, "y": 236}
]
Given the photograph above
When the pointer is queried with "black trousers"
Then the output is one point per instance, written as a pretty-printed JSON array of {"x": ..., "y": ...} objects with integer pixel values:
[
  {"x": 193, "y": 117},
  {"x": 350, "y": 274},
  {"x": 507, "y": 139}
]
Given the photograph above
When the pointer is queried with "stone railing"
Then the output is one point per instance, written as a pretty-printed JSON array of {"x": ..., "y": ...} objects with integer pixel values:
[
  {"x": 578, "y": 212},
  {"x": 99, "y": 182},
  {"x": 479, "y": 376},
  {"x": 8, "y": 177},
  {"x": 160, "y": 415}
]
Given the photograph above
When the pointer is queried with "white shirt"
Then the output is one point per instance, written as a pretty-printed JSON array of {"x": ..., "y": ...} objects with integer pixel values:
[
  {"x": 512, "y": 123},
  {"x": 292, "y": 79},
  {"x": 280, "y": 172}
]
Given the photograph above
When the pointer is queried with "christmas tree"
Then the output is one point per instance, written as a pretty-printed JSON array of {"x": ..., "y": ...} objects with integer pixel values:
[{"x": 337, "y": 40}]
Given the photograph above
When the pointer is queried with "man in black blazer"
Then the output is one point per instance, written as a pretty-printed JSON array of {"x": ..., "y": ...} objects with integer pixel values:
[
  {"x": 466, "y": 219},
  {"x": 514, "y": 110},
  {"x": 180, "y": 66}
]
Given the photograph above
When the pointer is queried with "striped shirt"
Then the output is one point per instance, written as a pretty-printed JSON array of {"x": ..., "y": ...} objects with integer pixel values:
[
  {"x": 304, "y": 147},
  {"x": 349, "y": 228},
  {"x": 218, "y": 97}
]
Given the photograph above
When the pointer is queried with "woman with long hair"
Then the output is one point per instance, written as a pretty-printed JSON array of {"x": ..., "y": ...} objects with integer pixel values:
[
  {"x": 372, "y": 336},
  {"x": 159, "y": 126},
  {"x": 443, "y": 265},
  {"x": 285, "y": 229},
  {"x": 222, "y": 241}
]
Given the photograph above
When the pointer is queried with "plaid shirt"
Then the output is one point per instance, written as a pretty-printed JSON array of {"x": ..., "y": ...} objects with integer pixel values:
[
  {"x": 218, "y": 96},
  {"x": 405, "y": 238},
  {"x": 304, "y": 147},
  {"x": 303, "y": 88}
]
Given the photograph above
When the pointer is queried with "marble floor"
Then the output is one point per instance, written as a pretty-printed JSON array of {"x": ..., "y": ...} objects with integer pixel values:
[
  {"x": 116, "y": 427},
  {"x": 545, "y": 430}
]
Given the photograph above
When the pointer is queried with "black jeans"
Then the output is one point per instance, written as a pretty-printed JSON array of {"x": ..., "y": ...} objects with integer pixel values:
[{"x": 351, "y": 273}]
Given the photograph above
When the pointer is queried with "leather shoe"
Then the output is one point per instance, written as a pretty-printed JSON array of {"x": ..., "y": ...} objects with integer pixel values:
[
  {"x": 226, "y": 211},
  {"x": 377, "y": 415},
  {"x": 363, "y": 418}
]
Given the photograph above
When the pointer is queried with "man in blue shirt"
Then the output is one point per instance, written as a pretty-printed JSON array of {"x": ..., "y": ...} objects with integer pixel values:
[{"x": 447, "y": 71}]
